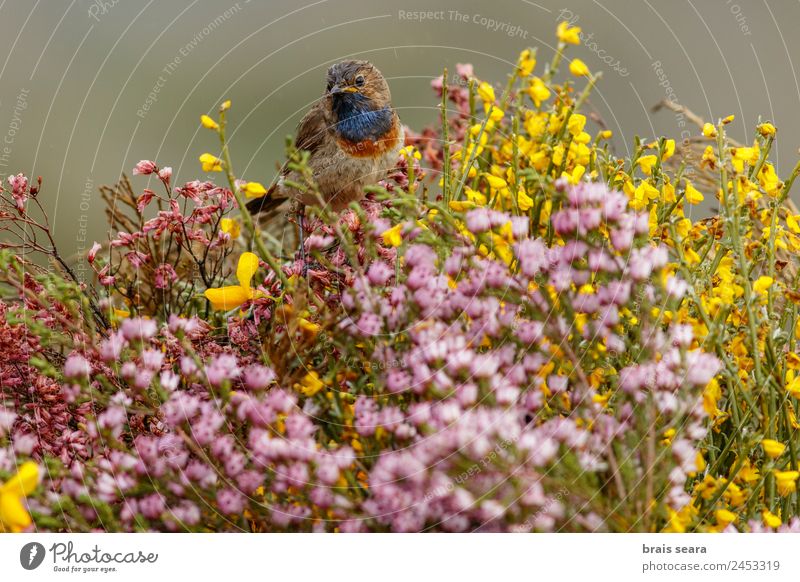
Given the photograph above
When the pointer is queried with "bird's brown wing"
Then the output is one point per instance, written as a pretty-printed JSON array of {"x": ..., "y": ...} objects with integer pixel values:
[
  {"x": 310, "y": 134},
  {"x": 312, "y": 128}
]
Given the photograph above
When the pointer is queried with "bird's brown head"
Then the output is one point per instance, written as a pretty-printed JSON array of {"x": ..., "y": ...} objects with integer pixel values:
[{"x": 357, "y": 81}]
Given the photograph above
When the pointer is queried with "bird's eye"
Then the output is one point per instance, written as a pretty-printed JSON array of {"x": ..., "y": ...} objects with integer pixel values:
[{"x": 360, "y": 80}]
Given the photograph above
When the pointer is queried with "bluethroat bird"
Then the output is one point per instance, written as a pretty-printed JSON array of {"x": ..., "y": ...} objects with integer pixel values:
[{"x": 353, "y": 136}]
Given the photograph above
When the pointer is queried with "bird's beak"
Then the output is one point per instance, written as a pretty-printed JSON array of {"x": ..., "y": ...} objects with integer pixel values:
[{"x": 337, "y": 90}]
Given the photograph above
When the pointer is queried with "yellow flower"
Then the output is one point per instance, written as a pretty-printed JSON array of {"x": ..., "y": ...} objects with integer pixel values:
[
  {"x": 766, "y": 129},
  {"x": 496, "y": 114},
  {"x": 393, "y": 237},
  {"x": 770, "y": 519},
  {"x": 576, "y": 123},
  {"x": 669, "y": 149},
  {"x": 793, "y": 222},
  {"x": 526, "y": 63},
  {"x": 254, "y": 190},
  {"x": 225, "y": 105},
  {"x": 578, "y": 68},
  {"x": 13, "y": 515},
  {"x": 308, "y": 327},
  {"x": 211, "y": 163},
  {"x": 567, "y": 34},
  {"x": 709, "y": 130},
  {"x": 486, "y": 93},
  {"x": 230, "y": 226},
  {"x": 208, "y": 123},
  {"x": 646, "y": 163},
  {"x": 524, "y": 201},
  {"x": 411, "y": 151},
  {"x": 786, "y": 482},
  {"x": 310, "y": 384},
  {"x": 769, "y": 180},
  {"x": 773, "y": 448},
  {"x": 495, "y": 182},
  {"x": 693, "y": 195},
  {"x": 538, "y": 92},
  {"x": 232, "y": 296},
  {"x": 762, "y": 284},
  {"x": 724, "y": 517}
]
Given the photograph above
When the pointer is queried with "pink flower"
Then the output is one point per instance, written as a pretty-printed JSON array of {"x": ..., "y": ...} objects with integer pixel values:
[
  {"x": 165, "y": 275},
  {"x": 93, "y": 252},
  {"x": 165, "y": 174},
  {"x": 138, "y": 328},
  {"x": 145, "y": 167},
  {"x": 19, "y": 191},
  {"x": 145, "y": 199},
  {"x": 77, "y": 367}
]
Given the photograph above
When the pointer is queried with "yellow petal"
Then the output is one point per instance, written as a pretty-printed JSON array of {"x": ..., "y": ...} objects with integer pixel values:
[
  {"x": 486, "y": 92},
  {"x": 13, "y": 515},
  {"x": 254, "y": 190},
  {"x": 248, "y": 265},
  {"x": 693, "y": 195},
  {"x": 208, "y": 123},
  {"x": 393, "y": 237},
  {"x": 227, "y": 298},
  {"x": 567, "y": 34},
  {"x": 23, "y": 482},
  {"x": 773, "y": 448},
  {"x": 578, "y": 68},
  {"x": 230, "y": 226},
  {"x": 646, "y": 163},
  {"x": 211, "y": 163}
]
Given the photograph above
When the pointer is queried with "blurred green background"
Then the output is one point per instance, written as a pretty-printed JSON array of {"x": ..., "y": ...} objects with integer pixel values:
[{"x": 89, "y": 87}]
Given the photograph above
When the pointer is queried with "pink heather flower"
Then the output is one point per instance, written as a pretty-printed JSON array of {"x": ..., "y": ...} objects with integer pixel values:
[
  {"x": 223, "y": 367},
  {"x": 677, "y": 287},
  {"x": 170, "y": 380},
  {"x": 379, "y": 273},
  {"x": 138, "y": 328},
  {"x": 478, "y": 220},
  {"x": 77, "y": 367},
  {"x": 614, "y": 205},
  {"x": 622, "y": 238},
  {"x": 230, "y": 501},
  {"x": 258, "y": 377},
  {"x": 111, "y": 347},
  {"x": 137, "y": 258},
  {"x": 420, "y": 256},
  {"x": 152, "y": 359},
  {"x": 369, "y": 324},
  {"x": 532, "y": 256},
  {"x": 165, "y": 275},
  {"x": 701, "y": 368},
  {"x": 145, "y": 199},
  {"x": 165, "y": 174},
  {"x": 519, "y": 226},
  {"x": 316, "y": 242},
  {"x": 25, "y": 443},
  {"x": 19, "y": 190},
  {"x": 93, "y": 252},
  {"x": 7, "y": 419},
  {"x": 145, "y": 167}
]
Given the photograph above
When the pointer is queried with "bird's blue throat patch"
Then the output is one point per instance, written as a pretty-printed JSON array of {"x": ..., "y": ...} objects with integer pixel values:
[{"x": 358, "y": 121}]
